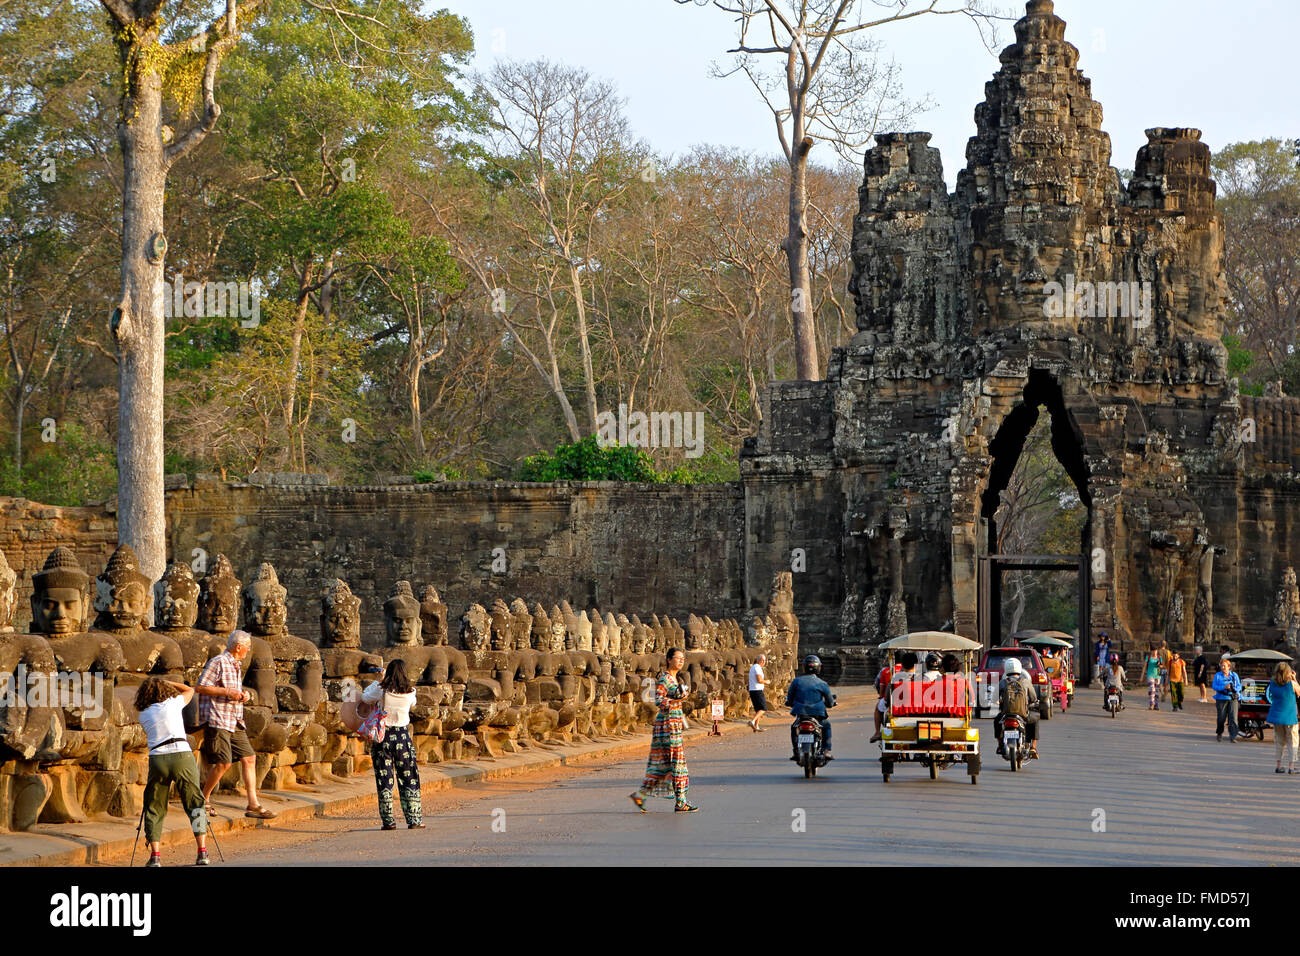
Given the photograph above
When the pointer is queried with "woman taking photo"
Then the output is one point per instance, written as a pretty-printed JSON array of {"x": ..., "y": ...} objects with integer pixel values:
[
  {"x": 161, "y": 704},
  {"x": 395, "y": 695},
  {"x": 665, "y": 772}
]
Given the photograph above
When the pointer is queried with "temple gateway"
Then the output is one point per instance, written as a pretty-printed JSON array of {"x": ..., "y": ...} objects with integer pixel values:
[{"x": 1044, "y": 285}]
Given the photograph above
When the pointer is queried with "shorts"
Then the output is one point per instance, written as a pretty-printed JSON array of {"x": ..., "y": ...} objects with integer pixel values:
[
  {"x": 880, "y": 705},
  {"x": 225, "y": 746},
  {"x": 758, "y": 699}
]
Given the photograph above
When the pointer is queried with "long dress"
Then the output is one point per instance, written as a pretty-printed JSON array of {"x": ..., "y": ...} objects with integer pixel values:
[{"x": 665, "y": 772}]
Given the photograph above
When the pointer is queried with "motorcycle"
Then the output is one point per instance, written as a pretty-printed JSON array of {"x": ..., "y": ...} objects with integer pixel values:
[
  {"x": 811, "y": 750},
  {"x": 1013, "y": 743},
  {"x": 1113, "y": 701}
]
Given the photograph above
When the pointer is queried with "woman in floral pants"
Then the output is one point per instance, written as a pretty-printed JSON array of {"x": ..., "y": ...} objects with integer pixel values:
[
  {"x": 1153, "y": 679},
  {"x": 395, "y": 754}
]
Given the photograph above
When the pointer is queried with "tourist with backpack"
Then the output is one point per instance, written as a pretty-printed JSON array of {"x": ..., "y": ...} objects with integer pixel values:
[
  {"x": 391, "y": 748},
  {"x": 1016, "y": 696}
]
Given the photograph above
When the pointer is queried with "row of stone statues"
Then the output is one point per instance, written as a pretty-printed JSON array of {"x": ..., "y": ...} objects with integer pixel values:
[{"x": 510, "y": 677}]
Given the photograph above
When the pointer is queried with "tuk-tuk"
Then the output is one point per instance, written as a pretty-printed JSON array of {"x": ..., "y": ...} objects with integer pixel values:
[
  {"x": 1255, "y": 668},
  {"x": 1057, "y": 663},
  {"x": 929, "y": 721}
]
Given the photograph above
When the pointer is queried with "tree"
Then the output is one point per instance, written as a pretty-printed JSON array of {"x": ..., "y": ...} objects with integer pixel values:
[
  {"x": 1260, "y": 202},
  {"x": 827, "y": 84}
]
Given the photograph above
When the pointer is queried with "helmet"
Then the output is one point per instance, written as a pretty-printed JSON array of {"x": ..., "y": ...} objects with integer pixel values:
[
  {"x": 1013, "y": 667},
  {"x": 932, "y": 662},
  {"x": 1114, "y": 658},
  {"x": 812, "y": 664}
]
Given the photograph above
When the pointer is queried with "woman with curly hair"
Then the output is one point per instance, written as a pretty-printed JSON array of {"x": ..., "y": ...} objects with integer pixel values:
[{"x": 161, "y": 703}]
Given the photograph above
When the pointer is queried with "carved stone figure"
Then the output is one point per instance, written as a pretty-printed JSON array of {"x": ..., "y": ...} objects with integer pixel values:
[
  {"x": 122, "y": 601},
  {"x": 219, "y": 594},
  {"x": 176, "y": 609},
  {"x": 1286, "y": 607},
  {"x": 433, "y": 616},
  {"x": 8, "y": 594},
  {"x": 340, "y": 633},
  {"x": 613, "y": 636},
  {"x": 59, "y": 611},
  {"x": 298, "y": 669}
]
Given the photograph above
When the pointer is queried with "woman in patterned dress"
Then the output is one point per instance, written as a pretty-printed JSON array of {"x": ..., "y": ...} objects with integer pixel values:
[
  {"x": 395, "y": 754},
  {"x": 665, "y": 772}
]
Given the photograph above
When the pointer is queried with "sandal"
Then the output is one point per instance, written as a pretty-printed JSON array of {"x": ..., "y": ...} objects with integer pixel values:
[
  {"x": 639, "y": 801},
  {"x": 390, "y": 826},
  {"x": 259, "y": 813},
  {"x": 685, "y": 808}
]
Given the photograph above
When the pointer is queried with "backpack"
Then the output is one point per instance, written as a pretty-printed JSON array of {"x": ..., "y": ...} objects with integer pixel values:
[
  {"x": 372, "y": 727},
  {"x": 1017, "y": 698}
]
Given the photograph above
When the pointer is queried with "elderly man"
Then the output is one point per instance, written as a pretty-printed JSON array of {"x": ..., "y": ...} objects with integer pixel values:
[
  {"x": 757, "y": 697},
  {"x": 221, "y": 711}
]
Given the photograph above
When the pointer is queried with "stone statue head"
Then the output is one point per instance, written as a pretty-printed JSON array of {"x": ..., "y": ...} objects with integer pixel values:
[
  {"x": 59, "y": 595},
  {"x": 219, "y": 598},
  {"x": 582, "y": 632},
  {"x": 599, "y": 638},
  {"x": 402, "y": 616},
  {"x": 522, "y": 626},
  {"x": 340, "y": 616},
  {"x": 1288, "y": 578},
  {"x": 176, "y": 598},
  {"x": 560, "y": 640},
  {"x": 475, "y": 628},
  {"x": 639, "y": 635},
  {"x": 540, "y": 635},
  {"x": 502, "y": 623},
  {"x": 782, "y": 599},
  {"x": 121, "y": 592},
  {"x": 613, "y": 636},
  {"x": 433, "y": 616},
  {"x": 8, "y": 589},
  {"x": 694, "y": 633},
  {"x": 265, "y": 609}
]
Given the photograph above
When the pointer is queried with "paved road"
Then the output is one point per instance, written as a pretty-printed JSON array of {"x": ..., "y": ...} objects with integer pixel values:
[{"x": 1168, "y": 789}]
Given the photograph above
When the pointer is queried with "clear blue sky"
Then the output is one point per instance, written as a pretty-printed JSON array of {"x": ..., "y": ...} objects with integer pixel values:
[{"x": 1228, "y": 69}]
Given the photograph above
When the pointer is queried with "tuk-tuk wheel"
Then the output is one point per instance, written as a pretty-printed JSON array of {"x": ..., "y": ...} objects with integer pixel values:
[
  {"x": 934, "y": 769},
  {"x": 974, "y": 779}
]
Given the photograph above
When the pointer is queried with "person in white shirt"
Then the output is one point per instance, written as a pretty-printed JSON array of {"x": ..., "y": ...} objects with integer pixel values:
[
  {"x": 161, "y": 704},
  {"x": 757, "y": 683},
  {"x": 395, "y": 694}
]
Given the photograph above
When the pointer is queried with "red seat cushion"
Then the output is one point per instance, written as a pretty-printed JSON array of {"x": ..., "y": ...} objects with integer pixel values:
[{"x": 946, "y": 697}]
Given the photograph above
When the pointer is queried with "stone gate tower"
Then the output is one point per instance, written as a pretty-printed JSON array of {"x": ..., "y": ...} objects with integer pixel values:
[{"x": 1043, "y": 284}]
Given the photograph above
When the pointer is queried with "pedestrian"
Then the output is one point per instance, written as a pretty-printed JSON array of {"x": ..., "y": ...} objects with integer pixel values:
[
  {"x": 665, "y": 773},
  {"x": 1103, "y": 652},
  {"x": 1177, "y": 680},
  {"x": 1227, "y": 688},
  {"x": 1201, "y": 673},
  {"x": 1152, "y": 675},
  {"x": 221, "y": 711},
  {"x": 1281, "y": 696},
  {"x": 757, "y": 682},
  {"x": 394, "y": 755},
  {"x": 161, "y": 704},
  {"x": 1165, "y": 658},
  {"x": 884, "y": 681}
]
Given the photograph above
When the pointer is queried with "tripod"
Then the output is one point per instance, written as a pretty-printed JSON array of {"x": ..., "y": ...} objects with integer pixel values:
[{"x": 144, "y": 805}]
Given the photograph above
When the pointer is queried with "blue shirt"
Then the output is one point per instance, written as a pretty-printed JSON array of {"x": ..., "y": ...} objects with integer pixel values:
[
  {"x": 809, "y": 696},
  {"x": 1281, "y": 709},
  {"x": 1223, "y": 681}
]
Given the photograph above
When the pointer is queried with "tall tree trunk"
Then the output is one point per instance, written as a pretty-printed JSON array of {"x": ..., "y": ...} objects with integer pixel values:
[
  {"x": 417, "y": 423},
  {"x": 138, "y": 329},
  {"x": 796, "y": 251},
  {"x": 588, "y": 374},
  {"x": 295, "y": 351}
]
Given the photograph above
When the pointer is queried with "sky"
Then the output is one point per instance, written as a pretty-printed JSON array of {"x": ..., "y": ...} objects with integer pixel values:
[{"x": 1224, "y": 68}]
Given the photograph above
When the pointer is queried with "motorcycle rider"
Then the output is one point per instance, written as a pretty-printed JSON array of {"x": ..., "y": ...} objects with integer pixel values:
[
  {"x": 1014, "y": 700},
  {"x": 1113, "y": 677},
  {"x": 810, "y": 696}
]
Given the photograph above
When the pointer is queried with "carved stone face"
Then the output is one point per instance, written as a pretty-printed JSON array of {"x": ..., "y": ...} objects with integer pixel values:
[
  {"x": 8, "y": 589},
  {"x": 219, "y": 599},
  {"x": 638, "y": 640},
  {"x": 58, "y": 611},
  {"x": 265, "y": 612},
  {"x": 500, "y": 639},
  {"x": 340, "y": 618},
  {"x": 402, "y": 624},
  {"x": 557, "y": 637},
  {"x": 124, "y": 604},
  {"x": 176, "y": 599}
]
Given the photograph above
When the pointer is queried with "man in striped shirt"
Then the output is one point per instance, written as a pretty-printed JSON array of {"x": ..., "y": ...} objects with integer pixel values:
[{"x": 221, "y": 711}]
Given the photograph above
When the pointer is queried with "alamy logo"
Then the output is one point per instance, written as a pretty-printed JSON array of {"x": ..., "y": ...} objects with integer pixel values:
[
  {"x": 1092, "y": 300},
  {"x": 76, "y": 909},
  {"x": 68, "y": 689},
  {"x": 656, "y": 430},
  {"x": 212, "y": 300}
]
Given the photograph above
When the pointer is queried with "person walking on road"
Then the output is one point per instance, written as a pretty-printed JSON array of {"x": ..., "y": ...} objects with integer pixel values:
[
  {"x": 1227, "y": 688},
  {"x": 221, "y": 711},
  {"x": 1152, "y": 675},
  {"x": 757, "y": 682},
  {"x": 1165, "y": 657},
  {"x": 665, "y": 773},
  {"x": 1281, "y": 696},
  {"x": 1177, "y": 680},
  {"x": 1201, "y": 673},
  {"x": 161, "y": 704},
  {"x": 395, "y": 754}
]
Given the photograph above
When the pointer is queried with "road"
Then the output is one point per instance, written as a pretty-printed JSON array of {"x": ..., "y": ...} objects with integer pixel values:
[{"x": 1168, "y": 790}]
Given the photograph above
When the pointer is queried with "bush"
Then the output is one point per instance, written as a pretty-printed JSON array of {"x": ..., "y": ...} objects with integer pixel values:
[
  {"x": 76, "y": 469},
  {"x": 585, "y": 460}
]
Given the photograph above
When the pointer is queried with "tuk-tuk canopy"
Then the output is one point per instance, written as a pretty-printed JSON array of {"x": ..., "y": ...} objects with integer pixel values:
[
  {"x": 1260, "y": 654},
  {"x": 1045, "y": 640},
  {"x": 932, "y": 641}
]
